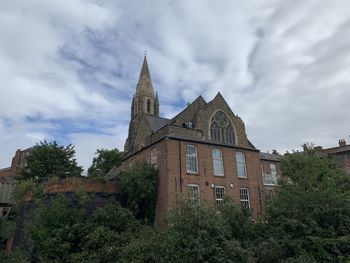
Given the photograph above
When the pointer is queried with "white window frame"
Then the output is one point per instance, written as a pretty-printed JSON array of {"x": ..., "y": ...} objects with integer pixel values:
[
  {"x": 221, "y": 191},
  {"x": 191, "y": 159},
  {"x": 218, "y": 162},
  {"x": 273, "y": 172},
  {"x": 244, "y": 197},
  {"x": 193, "y": 197},
  {"x": 241, "y": 164},
  {"x": 154, "y": 157}
]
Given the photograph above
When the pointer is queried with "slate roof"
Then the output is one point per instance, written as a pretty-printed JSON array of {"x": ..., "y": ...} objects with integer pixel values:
[
  {"x": 338, "y": 149},
  {"x": 206, "y": 141},
  {"x": 156, "y": 123},
  {"x": 113, "y": 173},
  {"x": 270, "y": 156},
  {"x": 5, "y": 169}
]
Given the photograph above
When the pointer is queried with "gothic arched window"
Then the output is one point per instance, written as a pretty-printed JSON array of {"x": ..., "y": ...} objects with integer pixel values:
[
  {"x": 221, "y": 129},
  {"x": 148, "y": 106}
]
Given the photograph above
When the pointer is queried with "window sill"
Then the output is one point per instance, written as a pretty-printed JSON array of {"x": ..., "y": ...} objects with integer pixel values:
[
  {"x": 244, "y": 178},
  {"x": 216, "y": 175},
  {"x": 192, "y": 173}
]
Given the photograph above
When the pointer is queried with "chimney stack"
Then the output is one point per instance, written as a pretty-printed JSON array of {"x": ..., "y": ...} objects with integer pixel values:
[
  {"x": 342, "y": 142},
  {"x": 318, "y": 148}
]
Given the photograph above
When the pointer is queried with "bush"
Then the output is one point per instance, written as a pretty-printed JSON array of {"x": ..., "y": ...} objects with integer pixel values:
[{"x": 139, "y": 188}]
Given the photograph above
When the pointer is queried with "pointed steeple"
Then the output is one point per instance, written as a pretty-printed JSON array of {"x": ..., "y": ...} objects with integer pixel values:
[
  {"x": 144, "y": 85},
  {"x": 156, "y": 105}
]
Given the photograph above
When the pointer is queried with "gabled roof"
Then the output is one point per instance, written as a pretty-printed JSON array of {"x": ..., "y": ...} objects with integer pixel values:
[
  {"x": 156, "y": 123},
  {"x": 199, "y": 98}
]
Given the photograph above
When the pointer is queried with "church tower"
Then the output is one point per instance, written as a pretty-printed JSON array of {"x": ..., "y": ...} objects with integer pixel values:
[{"x": 144, "y": 101}]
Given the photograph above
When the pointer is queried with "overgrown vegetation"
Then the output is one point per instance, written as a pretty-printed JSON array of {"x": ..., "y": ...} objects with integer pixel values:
[
  {"x": 138, "y": 187},
  {"x": 308, "y": 221}
]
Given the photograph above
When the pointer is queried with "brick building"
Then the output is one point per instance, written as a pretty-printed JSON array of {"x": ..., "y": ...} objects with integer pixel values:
[
  {"x": 340, "y": 152},
  {"x": 202, "y": 154},
  {"x": 7, "y": 179},
  {"x": 270, "y": 172}
]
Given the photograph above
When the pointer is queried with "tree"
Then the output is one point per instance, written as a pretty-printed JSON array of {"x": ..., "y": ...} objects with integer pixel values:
[
  {"x": 104, "y": 161},
  {"x": 309, "y": 219},
  {"x": 49, "y": 159},
  {"x": 139, "y": 188},
  {"x": 195, "y": 233}
]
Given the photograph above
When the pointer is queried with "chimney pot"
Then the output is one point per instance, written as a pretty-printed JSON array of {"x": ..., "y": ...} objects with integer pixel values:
[{"x": 342, "y": 142}]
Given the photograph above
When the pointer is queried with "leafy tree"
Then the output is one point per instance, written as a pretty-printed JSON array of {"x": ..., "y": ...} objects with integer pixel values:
[
  {"x": 104, "y": 161},
  {"x": 139, "y": 186},
  {"x": 64, "y": 230},
  {"x": 309, "y": 219},
  {"x": 15, "y": 256},
  {"x": 49, "y": 159}
]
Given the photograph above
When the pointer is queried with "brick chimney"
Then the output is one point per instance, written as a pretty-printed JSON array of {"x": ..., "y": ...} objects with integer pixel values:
[
  {"x": 342, "y": 142},
  {"x": 318, "y": 148}
]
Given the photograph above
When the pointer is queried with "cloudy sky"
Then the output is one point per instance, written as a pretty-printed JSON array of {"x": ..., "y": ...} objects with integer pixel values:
[{"x": 68, "y": 69}]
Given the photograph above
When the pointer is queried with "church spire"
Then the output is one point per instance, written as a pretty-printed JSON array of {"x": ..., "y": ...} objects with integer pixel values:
[
  {"x": 144, "y": 85},
  {"x": 144, "y": 103},
  {"x": 144, "y": 100}
]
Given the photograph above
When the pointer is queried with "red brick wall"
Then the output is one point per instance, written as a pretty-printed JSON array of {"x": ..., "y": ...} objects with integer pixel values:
[
  {"x": 74, "y": 184},
  {"x": 205, "y": 177},
  {"x": 174, "y": 180}
]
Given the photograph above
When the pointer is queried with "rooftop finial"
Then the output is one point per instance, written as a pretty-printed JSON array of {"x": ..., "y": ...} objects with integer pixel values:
[{"x": 145, "y": 52}]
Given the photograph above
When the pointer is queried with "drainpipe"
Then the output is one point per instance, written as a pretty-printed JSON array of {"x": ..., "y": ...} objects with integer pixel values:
[
  {"x": 260, "y": 200},
  {"x": 180, "y": 166}
]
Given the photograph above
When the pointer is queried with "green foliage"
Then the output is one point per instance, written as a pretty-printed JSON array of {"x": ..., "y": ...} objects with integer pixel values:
[
  {"x": 49, "y": 160},
  {"x": 144, "y": 248},
  {"x": 66, "y": 231},
  {"x": 16, "y": 256},
  {"x": 310, "y": 216},
  {"x": 7, "y": 229},
  {"x": 111, "y": 228},
  {"x": 56, "y": 228},
  {"x": 22, "y": 187},
  {"x": 139, "y": 186},
  {"x": 104, "y": 161},
  {"x": 194, "y": 234},
  {"x": 203, "y": 234}
]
